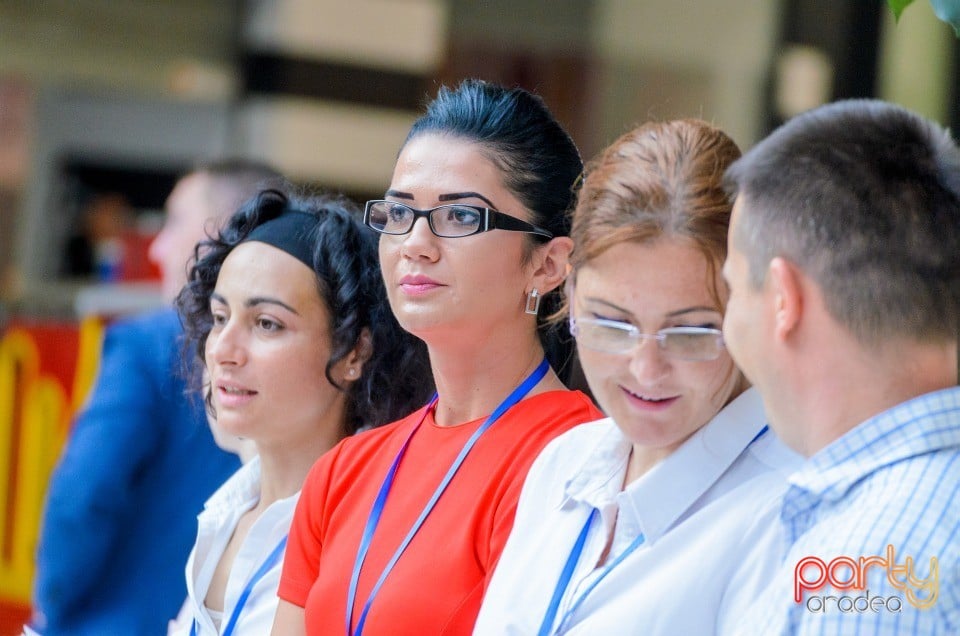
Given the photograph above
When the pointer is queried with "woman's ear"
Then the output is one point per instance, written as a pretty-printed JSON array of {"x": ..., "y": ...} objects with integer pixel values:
[
  {"x": 551, "y": 264},
  {"x": 358, "y": 356}
]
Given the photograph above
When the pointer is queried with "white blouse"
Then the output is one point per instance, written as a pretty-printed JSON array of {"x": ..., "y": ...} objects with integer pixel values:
[
  {"x": 698, "y": 510},
  {"x": 215, "y": 526}
]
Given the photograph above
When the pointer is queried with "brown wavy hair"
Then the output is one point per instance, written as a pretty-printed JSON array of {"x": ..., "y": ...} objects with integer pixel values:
[{"x": 661, "y": 179}]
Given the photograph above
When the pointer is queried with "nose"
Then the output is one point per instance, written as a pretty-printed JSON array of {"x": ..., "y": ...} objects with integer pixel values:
[
  {"x": 648, "y": 364},
  {"x": 420, "y": 242},
  {"x": 225, "y": 345}
]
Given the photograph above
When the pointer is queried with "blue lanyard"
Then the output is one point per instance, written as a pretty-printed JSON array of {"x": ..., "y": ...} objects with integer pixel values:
[
  {"x": 546, "y": 627},
  {"x": 374, "y": 519},
  {"x": 565, "y": 576},
  {"x": 265, "y": 567}
]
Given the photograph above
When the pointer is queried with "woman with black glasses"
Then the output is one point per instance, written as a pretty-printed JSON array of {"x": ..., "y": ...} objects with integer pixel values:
[
  {"x": 398, "y": 529},
  {"x": 636, "y": 524}
]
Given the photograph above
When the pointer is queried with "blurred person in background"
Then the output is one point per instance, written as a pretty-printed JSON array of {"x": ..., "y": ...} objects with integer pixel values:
[
  {"x": 287, "y": 313},
  {"x": 140, "y": 460},
  {"x": 96, "y": 251}
]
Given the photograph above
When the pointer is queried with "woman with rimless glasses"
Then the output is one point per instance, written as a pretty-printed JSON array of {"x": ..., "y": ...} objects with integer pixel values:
[
  {"x": 638, "y": 523},
  {"x": 398, "y": 529}
]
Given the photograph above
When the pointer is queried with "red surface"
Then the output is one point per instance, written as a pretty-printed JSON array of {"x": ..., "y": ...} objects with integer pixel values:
[
  {"x": 57, "y": 344},
  {"x": 12, "y": 618}
]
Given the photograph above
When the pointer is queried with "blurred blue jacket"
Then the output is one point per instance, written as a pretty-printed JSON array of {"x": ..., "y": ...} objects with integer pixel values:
[{"x": 122, "y": 503}]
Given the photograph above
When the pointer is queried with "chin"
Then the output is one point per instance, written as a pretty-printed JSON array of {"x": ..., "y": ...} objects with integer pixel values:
[
  {"x": 643, "y": 432},
  {"x": 426, "y": 324},
  {"x": 231, "y": 427}
]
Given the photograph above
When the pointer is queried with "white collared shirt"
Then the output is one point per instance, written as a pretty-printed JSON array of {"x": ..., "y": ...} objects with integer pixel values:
[
  {"x": 698, "y": 510},
  {"x": 215, "y": 526}
]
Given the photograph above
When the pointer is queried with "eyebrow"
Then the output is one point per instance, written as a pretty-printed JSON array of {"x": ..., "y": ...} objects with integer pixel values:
[
  {"x": 257, "y": 300},
  {"x": 465, "y": 195},
  {"x": 452, "y": 196},
  {"x": 672, "y": 314}
]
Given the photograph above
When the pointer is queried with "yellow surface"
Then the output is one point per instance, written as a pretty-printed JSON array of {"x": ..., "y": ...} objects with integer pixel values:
[{"x": 31, "y": 438}]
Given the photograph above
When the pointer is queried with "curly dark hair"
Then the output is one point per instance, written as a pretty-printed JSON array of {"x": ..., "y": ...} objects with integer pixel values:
[{"x": 396, "y": 379}]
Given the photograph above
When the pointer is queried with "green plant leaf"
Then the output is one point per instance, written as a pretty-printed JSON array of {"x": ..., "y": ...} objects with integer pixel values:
[
  {"x": 897, "y": 6},
  {"x": 948, "y": 11}
]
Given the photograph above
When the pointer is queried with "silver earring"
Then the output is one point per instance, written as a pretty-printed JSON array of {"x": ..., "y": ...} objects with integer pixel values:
[
  {"x": 352, "y": 372},
  {"x": 533, "y": 302}
]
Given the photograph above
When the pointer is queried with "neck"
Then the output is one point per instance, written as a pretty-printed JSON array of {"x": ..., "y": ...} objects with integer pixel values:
[
  {"x": 284, "y": 466},
  {"x": 642, "y": 459},
  {"x": 862, "y": 386},
  {"x": 473, "y": 380}
]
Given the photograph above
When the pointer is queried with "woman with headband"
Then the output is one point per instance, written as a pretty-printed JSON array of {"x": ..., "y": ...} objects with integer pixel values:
[
  {"x": 635, "y": 524},
  {"x": 286, "y": 311},
  {"x": 399, "y": 528}
]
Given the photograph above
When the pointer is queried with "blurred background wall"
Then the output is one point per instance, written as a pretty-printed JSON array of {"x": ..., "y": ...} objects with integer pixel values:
[{"x": 104, "y": 102}]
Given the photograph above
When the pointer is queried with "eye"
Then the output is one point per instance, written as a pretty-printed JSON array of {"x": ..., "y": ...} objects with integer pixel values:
[
  {"x": 463, "y": 215},
  {"x": 268, "y": 324},
  {"x": 397, "y": 212},
  {"x": 218, "y": 317},
  {"x": 705, "y": 325},
  {"x": 609, "y": 319}
]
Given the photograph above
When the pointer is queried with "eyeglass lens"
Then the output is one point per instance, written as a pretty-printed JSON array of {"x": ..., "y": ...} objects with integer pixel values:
[
  {"x": 446, "y": 220},
  {"x": 681, "y": 343}
]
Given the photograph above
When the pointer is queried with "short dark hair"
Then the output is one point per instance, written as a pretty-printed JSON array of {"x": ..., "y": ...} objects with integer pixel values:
[
  {"x": 864, "y": 196},
  {"x": 234, "y": 180},
  {"x": 396, "y": 379},
  {"x": 539, "y": 162}
]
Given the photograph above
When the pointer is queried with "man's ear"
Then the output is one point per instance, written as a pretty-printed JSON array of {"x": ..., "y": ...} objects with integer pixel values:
[
  {"x": 551, "y": 265},
  {"x": 786, "y": 291}
]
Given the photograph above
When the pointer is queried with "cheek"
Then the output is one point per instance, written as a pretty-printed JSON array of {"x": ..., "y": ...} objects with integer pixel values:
[
  {"x": 207, "y": 348},
  {"x": 716, "y": 383},
  {"x": 598, "y": 367},
  {"x": 386, "y": 253}
]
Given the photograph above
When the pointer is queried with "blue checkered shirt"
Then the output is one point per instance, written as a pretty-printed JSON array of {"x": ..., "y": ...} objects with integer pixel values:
[{"x": 893, "y": 480}]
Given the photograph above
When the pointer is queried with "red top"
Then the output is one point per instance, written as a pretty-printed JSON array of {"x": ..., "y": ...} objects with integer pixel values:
[{"x": 437, "y": 585}]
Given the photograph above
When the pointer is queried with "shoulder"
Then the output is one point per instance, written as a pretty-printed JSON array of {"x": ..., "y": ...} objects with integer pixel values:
[
  {"x": 158, "y": 329},
  {"x": 360, "y": 450},
  {"x": 579, "y": 441},
  {"x": 534, "y": 422},
  {"x": 553, "y": 408},
  {"x": 908, "y": 497},
  {"x": 566, "y": 454}
]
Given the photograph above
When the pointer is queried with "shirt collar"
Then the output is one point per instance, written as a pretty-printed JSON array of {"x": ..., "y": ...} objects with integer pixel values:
[
  {"x": 661, "y": 496},
  {"x": 242, "y": 489},
  {"x": 924, "y": 424}
]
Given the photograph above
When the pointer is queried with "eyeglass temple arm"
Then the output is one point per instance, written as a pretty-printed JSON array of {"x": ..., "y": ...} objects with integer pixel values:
[{"x": 500, "y": 221}]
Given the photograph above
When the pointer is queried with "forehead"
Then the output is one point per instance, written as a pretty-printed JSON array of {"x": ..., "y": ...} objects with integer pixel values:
[
  {"x": 432, "y": 164},
  {"x": 662, "y": 276},
  {"x": 254, "y": 268},
  {"x": 190, "y": 197}
]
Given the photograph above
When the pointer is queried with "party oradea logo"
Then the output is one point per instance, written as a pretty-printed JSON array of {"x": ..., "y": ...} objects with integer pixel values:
[{"x": 848, "y": 576}]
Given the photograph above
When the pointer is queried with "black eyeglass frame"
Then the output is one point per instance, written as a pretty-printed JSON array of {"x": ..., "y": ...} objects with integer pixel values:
[{"x": 492, "y": 220}]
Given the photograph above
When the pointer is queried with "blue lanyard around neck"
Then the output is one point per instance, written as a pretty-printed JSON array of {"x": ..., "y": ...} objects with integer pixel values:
[
  {"x": 265, "y": 567},
  {"x": 374, "y": 519},
  {"x": 546, "y": 627}
]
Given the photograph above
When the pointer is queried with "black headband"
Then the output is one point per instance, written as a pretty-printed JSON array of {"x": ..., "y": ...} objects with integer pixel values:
[{"x": 291, "y": 232}]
